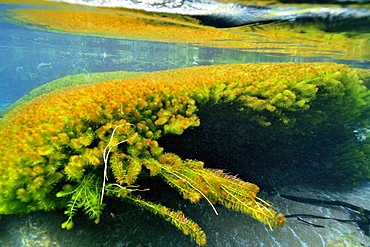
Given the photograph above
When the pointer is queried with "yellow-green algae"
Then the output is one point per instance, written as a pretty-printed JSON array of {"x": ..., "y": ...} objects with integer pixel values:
[
  {"x": 58, "y": 152},
  {"x": 70, "y": 80}
]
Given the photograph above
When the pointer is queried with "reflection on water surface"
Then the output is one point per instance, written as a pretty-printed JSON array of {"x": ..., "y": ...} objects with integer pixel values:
[{"x": 333, "y": 35}]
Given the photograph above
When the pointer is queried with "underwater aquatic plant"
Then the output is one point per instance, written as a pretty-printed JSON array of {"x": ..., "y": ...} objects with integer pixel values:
[
  {"x": 70, "y": 80},
  {"x": 67, "y": 148}
]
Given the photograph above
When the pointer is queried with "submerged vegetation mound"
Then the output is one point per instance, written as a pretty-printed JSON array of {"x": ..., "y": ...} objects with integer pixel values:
[
  {"x": 70, "y": 80},
  {"x": 71, "y": 148}
]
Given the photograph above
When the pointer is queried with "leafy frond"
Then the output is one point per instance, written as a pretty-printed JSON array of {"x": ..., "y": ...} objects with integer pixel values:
[
  {"x": 86, "y": 196},
  {"x": 125, "y": 168},
  {"x": 122, "y": 191},
  {"x": 176, "y": 218},
  {"x": 108, "y": 148},
  {"x": 239, "y": 195},
  {"x": 196, "y": 182},
  {"x": 183, "y": 183}
]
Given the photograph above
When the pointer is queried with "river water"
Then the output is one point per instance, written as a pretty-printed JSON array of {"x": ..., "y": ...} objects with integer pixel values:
[{"x": 37, "y": 47}]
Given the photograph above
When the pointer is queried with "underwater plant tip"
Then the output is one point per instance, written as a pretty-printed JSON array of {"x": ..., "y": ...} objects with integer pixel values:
[{"x": 210, "y": 203}]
